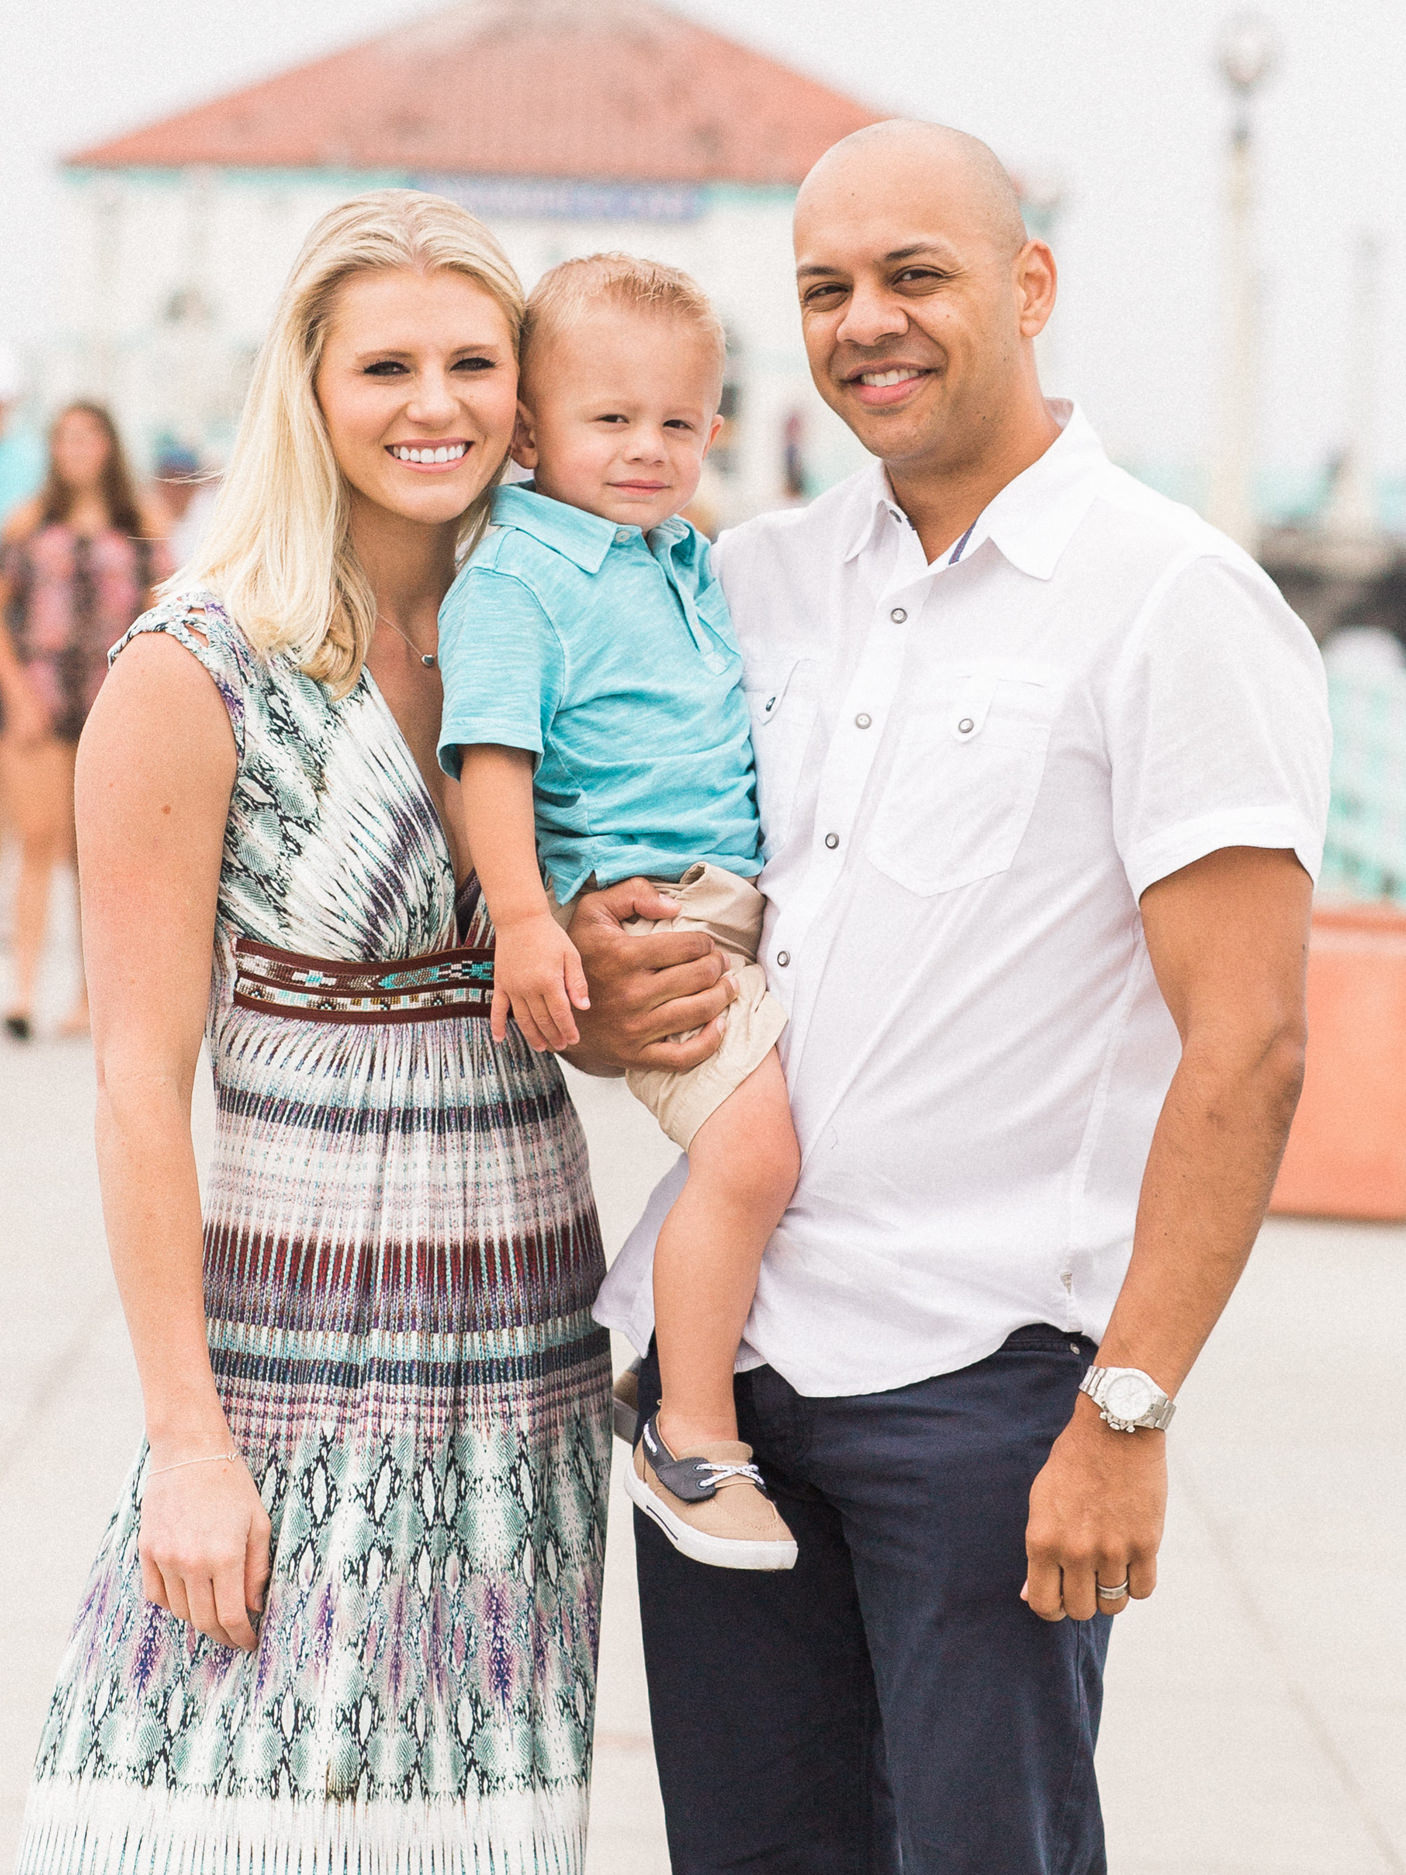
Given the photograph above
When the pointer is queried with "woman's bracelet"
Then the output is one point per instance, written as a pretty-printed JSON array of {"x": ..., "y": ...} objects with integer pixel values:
[{"x": 213, "y": 1458}]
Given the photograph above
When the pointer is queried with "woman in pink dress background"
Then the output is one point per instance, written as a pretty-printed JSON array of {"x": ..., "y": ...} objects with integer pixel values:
[{"x": 77, "y": 566}]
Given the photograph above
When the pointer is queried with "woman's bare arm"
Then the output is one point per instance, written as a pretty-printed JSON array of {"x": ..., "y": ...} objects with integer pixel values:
[
  {"x": 25, "y": 718},
  {"x": 156, "y": 769}
]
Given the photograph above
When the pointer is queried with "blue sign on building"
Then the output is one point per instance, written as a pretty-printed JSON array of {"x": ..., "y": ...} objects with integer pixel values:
[{"x": 550, "y": 198}]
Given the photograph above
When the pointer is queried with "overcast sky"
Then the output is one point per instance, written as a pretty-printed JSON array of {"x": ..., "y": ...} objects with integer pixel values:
[{"x": 1118, "y": 99}]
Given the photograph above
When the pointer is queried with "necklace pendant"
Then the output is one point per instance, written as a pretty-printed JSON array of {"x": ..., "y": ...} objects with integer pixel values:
[{"x": 429, "y": 660}]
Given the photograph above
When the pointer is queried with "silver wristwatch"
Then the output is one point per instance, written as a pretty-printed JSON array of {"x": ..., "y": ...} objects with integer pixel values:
[{"x": 1128, "y": 1398}]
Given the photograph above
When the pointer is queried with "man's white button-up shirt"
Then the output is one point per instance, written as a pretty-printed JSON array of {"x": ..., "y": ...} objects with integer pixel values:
[{"x": 969, "y": 772}]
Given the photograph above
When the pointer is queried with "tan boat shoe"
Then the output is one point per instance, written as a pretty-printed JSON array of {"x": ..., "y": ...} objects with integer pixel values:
[{"x": 710, "y": 1503}]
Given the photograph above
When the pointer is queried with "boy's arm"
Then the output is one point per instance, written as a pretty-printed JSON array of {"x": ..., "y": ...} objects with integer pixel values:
[{"x": 536, "y": 970}]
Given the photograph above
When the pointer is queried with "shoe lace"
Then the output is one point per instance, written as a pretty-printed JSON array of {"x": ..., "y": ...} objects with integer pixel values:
[{"x": 721, "y": 1474}]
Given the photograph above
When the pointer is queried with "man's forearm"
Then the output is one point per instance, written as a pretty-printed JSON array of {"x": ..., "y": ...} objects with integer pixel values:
[{"x": 1208, "y": 1179}]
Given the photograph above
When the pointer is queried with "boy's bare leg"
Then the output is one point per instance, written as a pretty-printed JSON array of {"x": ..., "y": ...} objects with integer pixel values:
[{"x": 742, "y": 1169}]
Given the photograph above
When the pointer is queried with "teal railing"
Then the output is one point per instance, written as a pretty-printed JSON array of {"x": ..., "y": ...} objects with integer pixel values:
[{"x": 1365, "y": 856}]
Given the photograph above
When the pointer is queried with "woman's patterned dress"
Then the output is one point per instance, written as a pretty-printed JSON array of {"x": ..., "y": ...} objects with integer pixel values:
[
  {"x": 401, "y": 1253},
  {"x": 71, "y": 596}
]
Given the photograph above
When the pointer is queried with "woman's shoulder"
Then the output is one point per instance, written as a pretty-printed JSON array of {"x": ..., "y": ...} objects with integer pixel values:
[
  {"x": 155, "y": 521},
  {"x": 198, "y": 620},
  {"x": 22, "y": 523},
  {"x": 194, "y": 615}
]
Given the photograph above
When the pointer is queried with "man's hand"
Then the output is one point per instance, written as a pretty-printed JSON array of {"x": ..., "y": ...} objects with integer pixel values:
[
  {"x": 646, "y": 986},
  {"x": 1096, "y": 1516},
  {"x": 537, "y": 974}
]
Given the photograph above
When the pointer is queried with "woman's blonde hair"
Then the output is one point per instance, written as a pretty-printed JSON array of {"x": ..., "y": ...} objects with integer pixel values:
[{"x": 279, "y": 551}]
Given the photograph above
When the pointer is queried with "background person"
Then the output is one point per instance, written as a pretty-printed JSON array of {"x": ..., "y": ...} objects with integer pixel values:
[
  {"x": 21, "y": 452},
  {"x": 1042, "y": 764},
  {"x": 376, "y": 1404},
  {"x": 188, "y": 494},
  {"x": 77, "y": 564},
  {"x": 21, "y": 472}
]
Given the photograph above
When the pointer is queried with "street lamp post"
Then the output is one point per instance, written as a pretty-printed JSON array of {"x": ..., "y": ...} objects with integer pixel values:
[{"x": 1247, "y": 55}]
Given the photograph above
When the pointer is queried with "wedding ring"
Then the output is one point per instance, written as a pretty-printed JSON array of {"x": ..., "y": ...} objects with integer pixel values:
[{"x": 1114, "y": 1594}]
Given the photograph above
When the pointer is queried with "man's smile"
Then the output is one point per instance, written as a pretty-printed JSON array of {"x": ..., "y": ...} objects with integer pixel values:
[{"x": 878, "y": 386}]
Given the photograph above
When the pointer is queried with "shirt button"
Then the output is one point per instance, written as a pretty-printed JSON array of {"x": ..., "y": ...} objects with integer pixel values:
[
  {"x": 898, "y": 615},
  {"x": 622, "y": 534},
  {"x": 966, "y": 726},
  {"x": 863, "y": 720},
  {"x": 783, "y": 958},
  {"x": 832, "y": 840}
]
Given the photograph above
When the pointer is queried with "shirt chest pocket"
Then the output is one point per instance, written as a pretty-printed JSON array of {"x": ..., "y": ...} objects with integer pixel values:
[
  {"x": 966, "y": 771},
  {"x": 781, "y": 700}
]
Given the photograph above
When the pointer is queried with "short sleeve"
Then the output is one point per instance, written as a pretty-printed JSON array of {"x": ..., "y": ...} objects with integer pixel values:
[
  {"x": 1217, "y": 726},
  {"x": 502, "y": 662},
  {"x": 200, "y": 623}
]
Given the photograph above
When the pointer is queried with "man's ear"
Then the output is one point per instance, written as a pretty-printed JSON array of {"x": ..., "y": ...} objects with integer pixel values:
[
  {"x": 716, "y": 426},
  {"x": 523, "y": 448},
  {"x": 1036, "y": 285}
]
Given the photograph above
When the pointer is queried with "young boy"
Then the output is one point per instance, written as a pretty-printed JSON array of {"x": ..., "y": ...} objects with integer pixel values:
[{"x": 593, "y": 708}]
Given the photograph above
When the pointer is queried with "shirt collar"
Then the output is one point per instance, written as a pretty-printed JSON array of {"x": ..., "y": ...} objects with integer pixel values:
[
  {"x": 581, "y": 537},
  {"x": 1034, "y": 517},
  {"x": 585, "y": 538}
]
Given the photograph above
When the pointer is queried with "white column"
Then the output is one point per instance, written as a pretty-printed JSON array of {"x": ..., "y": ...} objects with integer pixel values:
[
  {"x": 1352, "y": 508},
  {"x": 1246, "y": 58},
  {"x": 97, "y": 373}
]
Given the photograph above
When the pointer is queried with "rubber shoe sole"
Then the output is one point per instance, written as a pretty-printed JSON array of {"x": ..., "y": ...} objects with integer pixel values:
[{"x": 718, "y": 1552}]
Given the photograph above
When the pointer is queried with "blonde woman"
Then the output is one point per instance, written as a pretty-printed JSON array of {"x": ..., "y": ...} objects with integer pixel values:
[{"x": 345, "y": 1617}]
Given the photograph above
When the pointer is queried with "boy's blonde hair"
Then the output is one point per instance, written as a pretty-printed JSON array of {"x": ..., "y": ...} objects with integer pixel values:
[
  {"x": 279, "y": 552},
  {"x": 576, "y": 286}
]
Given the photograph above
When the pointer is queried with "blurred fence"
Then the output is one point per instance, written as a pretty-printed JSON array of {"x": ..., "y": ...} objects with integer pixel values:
[{"x": 1365, "y": 855}]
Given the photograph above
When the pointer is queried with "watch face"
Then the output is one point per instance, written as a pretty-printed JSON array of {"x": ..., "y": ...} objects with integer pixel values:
[{"x": 1128, "y": 1396}]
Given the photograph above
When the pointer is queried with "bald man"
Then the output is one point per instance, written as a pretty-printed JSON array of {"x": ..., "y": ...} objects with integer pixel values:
[{"x": 1042, "y": 763}]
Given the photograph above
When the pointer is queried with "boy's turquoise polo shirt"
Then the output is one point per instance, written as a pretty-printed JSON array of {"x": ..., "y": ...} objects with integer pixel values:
[{"x": 609, "y": 655}]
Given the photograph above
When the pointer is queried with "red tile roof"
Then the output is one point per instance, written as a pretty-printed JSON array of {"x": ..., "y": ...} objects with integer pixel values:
[{"x": 616, "y": 90}]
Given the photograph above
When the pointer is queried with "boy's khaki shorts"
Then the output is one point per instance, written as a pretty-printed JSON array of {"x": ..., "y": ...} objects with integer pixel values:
[{"x": 730, "y": 910}]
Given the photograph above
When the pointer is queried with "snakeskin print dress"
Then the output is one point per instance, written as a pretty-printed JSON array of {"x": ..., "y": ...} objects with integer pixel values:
[{"x": 401, "y": 1252}]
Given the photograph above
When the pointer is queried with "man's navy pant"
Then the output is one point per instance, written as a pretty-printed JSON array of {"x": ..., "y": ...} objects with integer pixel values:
[{"x": 890, "y": 1706}]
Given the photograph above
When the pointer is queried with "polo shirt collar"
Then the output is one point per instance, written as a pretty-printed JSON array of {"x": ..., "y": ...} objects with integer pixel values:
[
  {"x": 1034, "y": 517},
  {"x": 584, "y": 538}
]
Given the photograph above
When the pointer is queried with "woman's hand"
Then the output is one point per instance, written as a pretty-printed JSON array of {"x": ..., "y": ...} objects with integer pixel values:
[
  {"x": 204, "y": 1548},
  {"x": 537, "y": 974},
  {"x": 647, "y": 987}
]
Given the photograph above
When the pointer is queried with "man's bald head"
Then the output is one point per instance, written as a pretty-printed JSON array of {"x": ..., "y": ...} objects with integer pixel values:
[
  {"x": 921, "y": 298},
  {"x": 965, "y": 173}
]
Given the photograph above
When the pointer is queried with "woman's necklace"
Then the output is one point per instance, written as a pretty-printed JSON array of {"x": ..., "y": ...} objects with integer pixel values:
[{"x": 427, "y": 658}]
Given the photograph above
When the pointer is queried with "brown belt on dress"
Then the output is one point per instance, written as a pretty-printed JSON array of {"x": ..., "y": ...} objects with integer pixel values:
[{"x": 431, "y": 988}]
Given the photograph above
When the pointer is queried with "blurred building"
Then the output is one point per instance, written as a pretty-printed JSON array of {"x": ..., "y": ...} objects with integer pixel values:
[{"x": 569, "y": 125}]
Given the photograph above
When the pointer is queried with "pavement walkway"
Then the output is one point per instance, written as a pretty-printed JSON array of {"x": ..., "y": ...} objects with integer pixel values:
[{"x": 1256, "y": 1711}]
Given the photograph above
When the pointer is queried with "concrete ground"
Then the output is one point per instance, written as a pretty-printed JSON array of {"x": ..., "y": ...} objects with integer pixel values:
[{"x": 1256, "y": 1712}]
